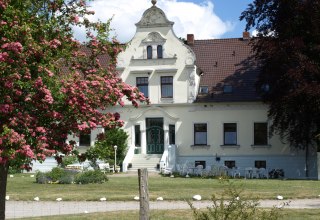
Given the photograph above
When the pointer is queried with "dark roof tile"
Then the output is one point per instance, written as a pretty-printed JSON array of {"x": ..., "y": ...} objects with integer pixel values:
[{"x": 226, "y": 62}]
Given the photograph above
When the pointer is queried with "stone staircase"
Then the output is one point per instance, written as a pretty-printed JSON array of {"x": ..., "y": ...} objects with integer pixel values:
[{"x": 149, "y": 161}]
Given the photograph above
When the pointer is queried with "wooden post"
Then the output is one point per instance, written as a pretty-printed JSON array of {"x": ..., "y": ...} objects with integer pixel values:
[{"x": 144, "y": 194}]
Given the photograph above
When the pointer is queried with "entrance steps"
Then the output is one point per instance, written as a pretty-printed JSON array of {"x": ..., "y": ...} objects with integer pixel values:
[{"x": 149, "y": 161}]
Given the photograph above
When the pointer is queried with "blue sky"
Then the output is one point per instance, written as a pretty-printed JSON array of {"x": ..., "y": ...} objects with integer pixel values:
[
  {"x": 228, "y": 10},
  {"x": 206, "y": 19}
]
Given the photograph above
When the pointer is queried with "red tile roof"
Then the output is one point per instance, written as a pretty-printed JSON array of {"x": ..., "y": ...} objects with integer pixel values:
[{"x": 226, "y": 62}]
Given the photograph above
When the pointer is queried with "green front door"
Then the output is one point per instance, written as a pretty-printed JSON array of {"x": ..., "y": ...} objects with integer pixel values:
[{"x": 155, "y": 135}]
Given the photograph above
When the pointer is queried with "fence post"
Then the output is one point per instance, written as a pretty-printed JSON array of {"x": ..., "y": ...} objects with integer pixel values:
[{"x": 144, "y": 194}]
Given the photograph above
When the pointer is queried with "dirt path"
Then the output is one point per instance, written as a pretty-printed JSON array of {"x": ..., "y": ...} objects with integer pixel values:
[{"x": 20, "y": 209}]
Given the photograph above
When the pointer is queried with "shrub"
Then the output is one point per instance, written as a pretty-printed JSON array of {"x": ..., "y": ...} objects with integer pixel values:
[
  {"x": 67, "y": 160},
  {"x": 56, "y": 174},
  {"x": 91, "y": 176},
  {"x": 67, "y": 178},
  {"x": 234, "y": 208},
  {"x": 41, "y": 178}
]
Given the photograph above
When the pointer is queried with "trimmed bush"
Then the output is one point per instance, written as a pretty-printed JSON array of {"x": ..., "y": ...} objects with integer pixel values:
[
  {"x": 56, "y": 174},
  {"x": 67, "y": 178},
  {"x": 42, "y": 178},
  {"x": 91, "y": 176}
]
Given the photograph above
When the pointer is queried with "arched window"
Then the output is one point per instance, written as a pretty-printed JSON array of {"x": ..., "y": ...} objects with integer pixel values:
[
  {"x": 159, "y": 51},
  {"x": 149, "y": 52}
]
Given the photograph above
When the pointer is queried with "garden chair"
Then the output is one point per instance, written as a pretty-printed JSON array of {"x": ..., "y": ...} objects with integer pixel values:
[
  {"x": 199, "y": 170},
  {"x": 263, "y": 173}
]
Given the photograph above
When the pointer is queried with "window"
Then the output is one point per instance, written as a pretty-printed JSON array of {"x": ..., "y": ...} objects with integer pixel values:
[
  {"x": 84, "y": 139},
  {"x": 230, "y": 163},
  {"x": 142, "y": 84},
  {"x": 260, "y": 133},
  {"x": 149, "y": 52},
  {"x": 230, "y": 133},
  {"x": 200, "y": 134},
  {"x": 137, "y": 135},
  {"x": 260, "y": 164},
  {"x": 172, "y": 134},
  {"x": 200, "y": 162},
  {"x": 227, "y": 89},
  {"x": 203, "y": 90},
  {"x": 159, "y": 51},
  {"x": 166, "y": 86}
]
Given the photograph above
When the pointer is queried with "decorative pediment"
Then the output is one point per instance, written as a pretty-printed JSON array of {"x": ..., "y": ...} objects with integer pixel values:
[
  {"x": 154, "y": 17},
  {"x": 154, "y": 109},
  {"x": 154, "y": 38}
]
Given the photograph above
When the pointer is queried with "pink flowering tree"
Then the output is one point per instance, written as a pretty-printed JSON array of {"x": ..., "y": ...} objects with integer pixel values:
[{"x": 50, "y": 84}]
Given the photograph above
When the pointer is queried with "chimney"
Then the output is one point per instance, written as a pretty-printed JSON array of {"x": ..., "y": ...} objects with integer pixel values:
[
  {"x": 246, "y": 35},
  {"x": 190, "y": 39}
]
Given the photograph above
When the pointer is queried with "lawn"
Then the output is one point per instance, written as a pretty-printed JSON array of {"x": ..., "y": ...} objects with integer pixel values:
[{"x": 118, "y": 188}]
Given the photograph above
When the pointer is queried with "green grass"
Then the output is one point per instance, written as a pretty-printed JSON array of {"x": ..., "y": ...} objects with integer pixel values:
[
  {"x": 288, "y": 214},
  {"x": 23, "y": 187}
]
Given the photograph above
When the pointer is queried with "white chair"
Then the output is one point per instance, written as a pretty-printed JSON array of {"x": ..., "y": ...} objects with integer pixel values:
[
  {"x": 235, "y": 171},
  {"x": 248, "y": 172},
  {"x": 255, "y": 173},
  {"x": 223, "y": 170},
  {"x": 199, "y": 170},
  {"x": 105, "y": 167},
  {"x": 263, "y": 173}
]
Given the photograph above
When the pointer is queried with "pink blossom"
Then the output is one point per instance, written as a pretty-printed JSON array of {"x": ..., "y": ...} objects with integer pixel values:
[
  {"x": 13, "y": 46},
  {"x": 4, "y": 56},
  {"x": 49, "y": 72},
  {"x": 38, "y": 82},
  {"x": 75, "y": 19},
  {"x": 41, "y": 129},
  {"x": 55, "y": 43}
]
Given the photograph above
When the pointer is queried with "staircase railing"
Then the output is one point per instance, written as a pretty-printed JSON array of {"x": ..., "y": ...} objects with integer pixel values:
[
  {"x": 128, "y": 158},
  {"x": 168, "y": 159}
]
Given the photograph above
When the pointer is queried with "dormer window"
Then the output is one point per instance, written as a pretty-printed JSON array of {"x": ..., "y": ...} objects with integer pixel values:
[
  {"x": 227, "y": 89},
  {"x": 159, "y": 52},
  {"x": 149, "y": 52},
  {"x": 265, "y": 88},
  {"x": 203, "y": 90}
]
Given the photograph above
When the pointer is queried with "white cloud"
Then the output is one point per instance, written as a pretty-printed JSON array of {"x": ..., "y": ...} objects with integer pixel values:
[{"x": 190, "y": 18}]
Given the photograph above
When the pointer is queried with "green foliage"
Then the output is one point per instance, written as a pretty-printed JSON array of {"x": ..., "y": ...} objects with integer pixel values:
[
  {"x": 61, "y": 176},
  {"x": 288, "y": 49},
  {"x": 67, "y": 177},
  {"x": 232, "y": 206},
  {"x": 67, "y": 160},
  {"x": 104, "y": 146},
  {"x": 42, "y": 178},
  {"x": 55, "y": 174},
  {"x": 91, "y": 176},
  {"x": 14, "y": 170}
]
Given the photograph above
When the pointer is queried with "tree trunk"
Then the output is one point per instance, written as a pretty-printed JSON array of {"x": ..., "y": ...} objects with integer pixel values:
[
  {"x": 3, "y": 189},
  {"x": 307, "y": 161},
  {"x": 144, "y": 194}
]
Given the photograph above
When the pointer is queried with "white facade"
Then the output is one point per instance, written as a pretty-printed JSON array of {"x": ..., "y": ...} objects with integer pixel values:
[{"x": 173, "y": 107}]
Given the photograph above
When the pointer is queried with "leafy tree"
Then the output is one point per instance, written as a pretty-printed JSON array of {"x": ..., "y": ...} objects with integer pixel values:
[
  {"x": 50, "y": 84},
  {"x": 288, "y": 47},
  {"x": 103, "y": 148}
]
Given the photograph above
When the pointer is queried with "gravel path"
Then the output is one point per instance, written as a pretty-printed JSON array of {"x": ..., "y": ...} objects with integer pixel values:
[{"x": 20, "y": 209}]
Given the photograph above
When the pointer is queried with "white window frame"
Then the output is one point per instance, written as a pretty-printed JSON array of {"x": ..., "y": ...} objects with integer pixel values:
[{"x": 237, "y": 134}]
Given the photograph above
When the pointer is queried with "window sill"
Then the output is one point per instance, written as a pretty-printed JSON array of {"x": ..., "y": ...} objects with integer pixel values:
[
  {"x": 200, "y": 146},
  {"x": 230, "y": 146},
  {"x": 261, "y": 146},
  {"x": 166, "y": 100}
]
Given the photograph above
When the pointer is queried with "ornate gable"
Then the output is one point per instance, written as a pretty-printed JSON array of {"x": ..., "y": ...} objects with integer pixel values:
[
  {"x": 154, "y": 38},
  {"x": 154, "y": 17}
]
